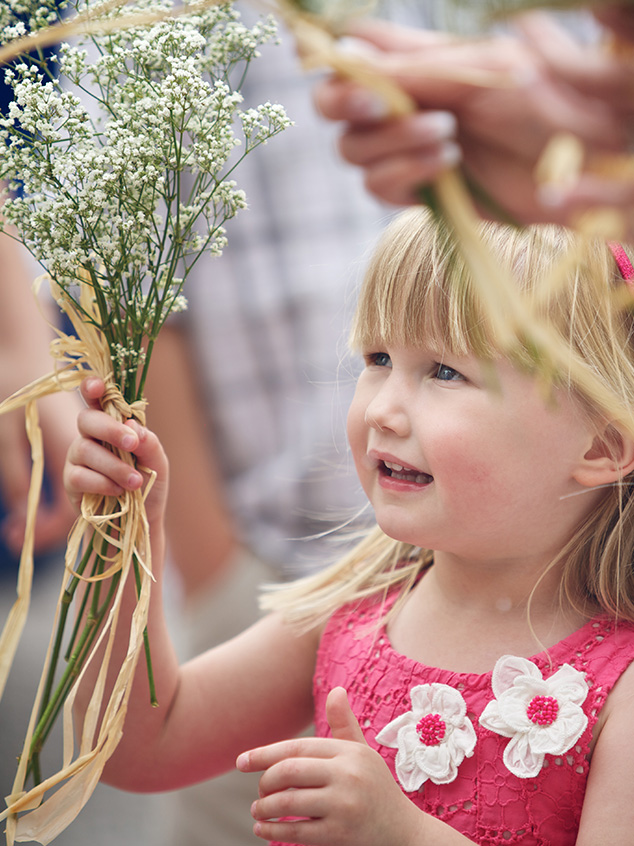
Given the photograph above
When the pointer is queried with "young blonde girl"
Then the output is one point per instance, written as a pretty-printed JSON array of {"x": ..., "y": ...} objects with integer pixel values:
[{"x": 484, "y": 632}]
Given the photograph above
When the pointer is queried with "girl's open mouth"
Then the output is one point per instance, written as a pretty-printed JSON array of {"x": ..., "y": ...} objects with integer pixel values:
[{"x": 407, "y": 474}]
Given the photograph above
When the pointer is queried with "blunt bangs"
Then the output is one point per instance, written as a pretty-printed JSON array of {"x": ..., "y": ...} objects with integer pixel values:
[{"x": 417, "y": 292}]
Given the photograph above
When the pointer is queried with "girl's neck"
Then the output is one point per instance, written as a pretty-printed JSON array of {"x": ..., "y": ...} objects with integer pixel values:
[
  {"x": 507, "y": 587},
  {"x": 464, "y": 618}
]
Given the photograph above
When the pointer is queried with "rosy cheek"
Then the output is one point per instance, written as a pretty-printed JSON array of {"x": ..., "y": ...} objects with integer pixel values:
[
  {"x": 462, "y": 465},
  {"x": 356, "y": 431}
]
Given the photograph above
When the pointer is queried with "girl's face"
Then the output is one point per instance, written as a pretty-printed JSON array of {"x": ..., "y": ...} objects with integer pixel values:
[{"x": 451, "y": 464}]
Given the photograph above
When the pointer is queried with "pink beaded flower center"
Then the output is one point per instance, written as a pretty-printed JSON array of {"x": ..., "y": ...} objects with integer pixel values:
[
  {"x": 542, "y": 710},
  {"x": 431, "y": 729}
]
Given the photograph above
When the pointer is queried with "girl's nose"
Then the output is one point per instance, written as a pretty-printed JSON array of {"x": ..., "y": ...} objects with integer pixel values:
[{"x": 387, "y": 411}]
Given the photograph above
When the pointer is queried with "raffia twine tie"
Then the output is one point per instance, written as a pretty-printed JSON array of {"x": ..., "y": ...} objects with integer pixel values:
[{"x": 122, "y": 522}]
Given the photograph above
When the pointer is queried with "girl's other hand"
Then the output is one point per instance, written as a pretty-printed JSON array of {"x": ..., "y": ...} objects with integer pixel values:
[
  {"x": 335, "y": 790},
  {"x": 91, "y": 467}
]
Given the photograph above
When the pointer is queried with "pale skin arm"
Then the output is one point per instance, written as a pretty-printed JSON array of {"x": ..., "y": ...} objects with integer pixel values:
[
  {"x": 252, "y": 690},
  {"x": 608, "y": 812},
  {"x": 197, "y": 517},
  {"x": 24, "y": 356}
]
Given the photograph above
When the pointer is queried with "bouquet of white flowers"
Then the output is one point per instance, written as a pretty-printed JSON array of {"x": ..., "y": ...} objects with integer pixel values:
[{"x": 118, "y": 168}]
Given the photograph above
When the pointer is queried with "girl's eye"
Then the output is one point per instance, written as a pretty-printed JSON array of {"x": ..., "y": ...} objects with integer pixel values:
[
  {"x": 380, "y": 359},
  {"x": 444, "y": 373}
]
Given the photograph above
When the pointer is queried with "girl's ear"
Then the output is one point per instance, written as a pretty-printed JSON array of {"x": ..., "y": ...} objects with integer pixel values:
[{"x": 609, "y": 459}]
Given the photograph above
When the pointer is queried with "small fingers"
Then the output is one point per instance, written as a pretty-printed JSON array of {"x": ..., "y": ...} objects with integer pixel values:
[
  {"x": 94, "y": 424},
  {"x": 293, "y": 773},
  {"x": 292, "y": 831},
  {"x": 92, "y": 389},
  {"x": 92, "y": 468},
  {"x": 305, "y": 804},
  {"x": 256, "y": 760}
]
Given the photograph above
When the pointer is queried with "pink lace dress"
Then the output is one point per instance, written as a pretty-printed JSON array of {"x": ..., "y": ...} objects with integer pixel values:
[{"x": 501, "y": 757}]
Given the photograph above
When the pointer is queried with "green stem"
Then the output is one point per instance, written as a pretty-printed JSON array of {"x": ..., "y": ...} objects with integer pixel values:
[
  {"x": 75, "y": 655},
  {"x": 67, "y": 599},
  {"x": 146, "y": 642},
  {"x": 91, "y": 629}
]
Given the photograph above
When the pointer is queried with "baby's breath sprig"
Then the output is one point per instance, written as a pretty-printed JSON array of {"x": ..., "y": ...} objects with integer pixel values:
[
  {"x": 127, "y": 175},
  {"x": 119, "y": 172}
]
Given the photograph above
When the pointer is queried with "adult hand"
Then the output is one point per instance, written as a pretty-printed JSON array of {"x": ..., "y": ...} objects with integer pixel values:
[
  {"x": 619, "y": 18},
  {"x": 337, "y": 791},
  {"x": 503, "y": 127},
  {"x": 593, "y": 74}
]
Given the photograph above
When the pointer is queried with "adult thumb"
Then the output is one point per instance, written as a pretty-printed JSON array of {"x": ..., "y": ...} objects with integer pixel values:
[{"x": 343, "y": 723}]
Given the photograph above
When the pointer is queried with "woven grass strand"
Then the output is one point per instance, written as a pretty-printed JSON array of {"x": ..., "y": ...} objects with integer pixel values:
[
  {"x": 504, "y": 306},
  {"x": 122, "y": 523},
  {"x": 513, "y": 320}
]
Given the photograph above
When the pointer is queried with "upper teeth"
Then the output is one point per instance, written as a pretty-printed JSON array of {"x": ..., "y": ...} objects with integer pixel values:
[
  {"x": 397, "y": 467},
  {"x": 400, "y": 472}
]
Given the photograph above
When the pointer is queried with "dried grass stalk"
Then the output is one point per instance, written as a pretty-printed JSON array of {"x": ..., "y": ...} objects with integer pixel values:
[
  {"x": 514, "y": 320},
  {"x": 122, "y": 525},
  {"x": 511, "y": 321}
]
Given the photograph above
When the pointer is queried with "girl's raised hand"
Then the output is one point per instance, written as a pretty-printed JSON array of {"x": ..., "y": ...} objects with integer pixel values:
[
  {"x": 92, "y": 468},
  {"x": 339, "y": 789}
]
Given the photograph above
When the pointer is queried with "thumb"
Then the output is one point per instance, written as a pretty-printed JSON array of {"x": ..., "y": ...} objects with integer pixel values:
[{"x": 343, "y": 723}]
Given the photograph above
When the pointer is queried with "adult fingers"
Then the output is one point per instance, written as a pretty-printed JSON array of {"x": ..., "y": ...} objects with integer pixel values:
[
  {"x": 425, "y": 133},
  {"x": 341, "y": 99},
  {"x": 618, "y": 17},
  {"x": 392, "y": 37},
  {"x": 598, "y": 72},
  {"x": 589, "y": 193},
  {"x": 397, "y": 180}
]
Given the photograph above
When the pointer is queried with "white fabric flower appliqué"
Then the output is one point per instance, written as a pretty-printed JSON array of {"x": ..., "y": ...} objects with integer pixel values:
[
  {"x": 432, "y": 739},
  {"x": 541, "y": 716}
]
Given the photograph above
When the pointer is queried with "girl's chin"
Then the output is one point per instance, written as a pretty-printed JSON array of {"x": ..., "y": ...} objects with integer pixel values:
[{"x": 403, "y": 534}]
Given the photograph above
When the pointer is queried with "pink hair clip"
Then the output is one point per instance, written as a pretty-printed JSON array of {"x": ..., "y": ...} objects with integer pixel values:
[{"x": 623, "y": 263}]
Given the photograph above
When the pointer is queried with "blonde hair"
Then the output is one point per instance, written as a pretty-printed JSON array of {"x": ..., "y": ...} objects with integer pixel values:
[{"x": 418, "y": 291}]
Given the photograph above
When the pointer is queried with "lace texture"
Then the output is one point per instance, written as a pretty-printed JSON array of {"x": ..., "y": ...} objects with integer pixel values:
[{"x": 485, "y": 801}]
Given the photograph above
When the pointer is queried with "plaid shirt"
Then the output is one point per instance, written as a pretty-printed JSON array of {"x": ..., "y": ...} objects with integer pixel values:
[
  {"x": 268, "y": 322},
  {"x": 269, "y": 318}
]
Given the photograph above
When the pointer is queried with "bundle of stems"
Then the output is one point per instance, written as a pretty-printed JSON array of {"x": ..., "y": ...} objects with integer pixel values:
[
  {"x": 108, "y": 546},
  {"x": 118, "y": 209}
]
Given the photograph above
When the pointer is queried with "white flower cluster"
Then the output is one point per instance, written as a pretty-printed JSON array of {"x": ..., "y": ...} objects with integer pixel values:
[
  {"x": 17, "y": 17},
  {"x": 123, "y": 164}
]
